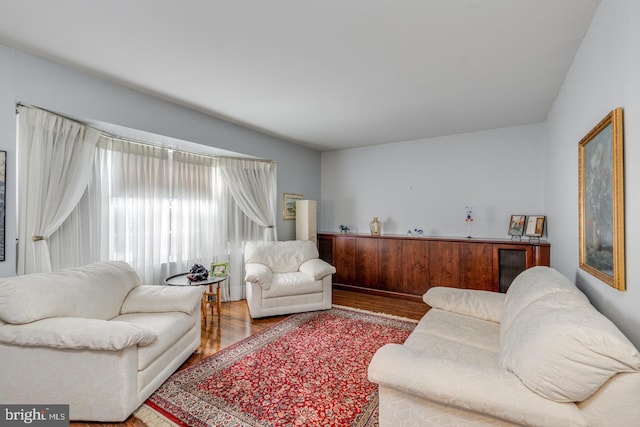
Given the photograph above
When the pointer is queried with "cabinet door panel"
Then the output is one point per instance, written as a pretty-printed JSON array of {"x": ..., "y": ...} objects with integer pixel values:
[
  {"x": 325, "y": 249},
  {"x": 391, "y": 267},
  {"x": 476, "y": 266},
  {"x": 415, "y": 255},
  {"x": 367, "y": 263},
  {"x": 443, "y": 264},
  {"x": 508, "y": 262},
  {"x": 344, "y": 259}
]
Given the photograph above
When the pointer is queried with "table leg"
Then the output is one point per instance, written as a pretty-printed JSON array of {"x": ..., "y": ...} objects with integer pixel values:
[
  {"x": 218, "y": 300},
  {"x": 209, "y": 294},
  {"x": 203, "y": 308}
]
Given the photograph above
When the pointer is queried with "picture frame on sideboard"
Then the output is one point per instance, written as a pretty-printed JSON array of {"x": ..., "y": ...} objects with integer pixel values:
[
  {"x": 535, "y": 226},
  {"x": 516, "y": 225}
]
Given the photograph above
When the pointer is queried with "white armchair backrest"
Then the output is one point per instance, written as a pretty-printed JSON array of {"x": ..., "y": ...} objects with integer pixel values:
[{"x": 281, "y": 257}]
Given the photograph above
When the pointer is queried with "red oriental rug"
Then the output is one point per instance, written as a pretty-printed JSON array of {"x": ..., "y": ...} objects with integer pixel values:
[{"x": 308, "y": 370}]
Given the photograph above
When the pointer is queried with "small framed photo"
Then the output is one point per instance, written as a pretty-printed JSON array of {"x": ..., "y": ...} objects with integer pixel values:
[
  {"x": 516, "y": 225},
  {"x": 219, "y": 269},
  {"x": 289, "y": 205},
  {"x": 535, "y": 226}
]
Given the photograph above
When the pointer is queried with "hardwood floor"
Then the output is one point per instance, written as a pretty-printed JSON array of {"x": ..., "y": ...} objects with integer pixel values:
[{"x": 235, "y": 324}]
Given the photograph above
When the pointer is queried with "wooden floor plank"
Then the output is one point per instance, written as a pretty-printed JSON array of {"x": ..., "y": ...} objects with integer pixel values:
[{"x": 235, "y": 324}]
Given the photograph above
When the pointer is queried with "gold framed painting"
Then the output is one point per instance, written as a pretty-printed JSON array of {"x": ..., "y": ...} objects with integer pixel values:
[
  {"x": 601, "y": 201},
  {"x": 3, "y": 200},
  {"x": 289, "y": 205}
]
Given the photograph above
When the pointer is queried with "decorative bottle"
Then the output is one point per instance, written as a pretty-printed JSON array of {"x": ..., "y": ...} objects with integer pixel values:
[
  {"x": 376, "y": 226},
  {"x": 468, "y": 219}
]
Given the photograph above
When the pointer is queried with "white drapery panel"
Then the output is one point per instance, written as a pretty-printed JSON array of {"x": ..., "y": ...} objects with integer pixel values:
[
  {"x": 84, "y": 237},
  {"x": 55, "y": 157},
  {"x": 238, "y": 229},
  {"x": 253, "y": 186}
]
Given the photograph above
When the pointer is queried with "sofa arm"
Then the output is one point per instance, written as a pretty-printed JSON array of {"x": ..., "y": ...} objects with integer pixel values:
[
  {"x": 77, "y": 333},
  {"x": 317, "y": 268},
  {"x": 258, "y": 273},
  {"x": 491, "y": 391},
  {"x": 162, "y": 299},
  {"x": 484, "y": 305}
]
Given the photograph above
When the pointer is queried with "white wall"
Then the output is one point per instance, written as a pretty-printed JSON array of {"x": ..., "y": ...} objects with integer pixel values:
[
  {"x": 605, "y": 74},
  {"x": 427, "y": 183},
  {"x": 35, "y": 81}
]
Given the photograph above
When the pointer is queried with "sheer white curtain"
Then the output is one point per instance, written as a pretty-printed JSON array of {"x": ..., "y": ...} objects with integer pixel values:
[
  {"x": 253, "y": 186},
  {"x": 194, "y": 213},
  {"x": 139, "y": 202},
  {"x": 55, "y": 157}
]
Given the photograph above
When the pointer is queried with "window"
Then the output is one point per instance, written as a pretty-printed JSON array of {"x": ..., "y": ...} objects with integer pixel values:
[{"x": 159, "y": 210}]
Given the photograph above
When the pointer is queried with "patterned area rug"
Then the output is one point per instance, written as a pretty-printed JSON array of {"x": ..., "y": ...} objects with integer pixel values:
[{"x": 308, "y": 370}]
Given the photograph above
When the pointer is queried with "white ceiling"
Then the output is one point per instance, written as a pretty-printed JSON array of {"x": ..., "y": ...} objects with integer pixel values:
[{"x": 327, "y": 74}]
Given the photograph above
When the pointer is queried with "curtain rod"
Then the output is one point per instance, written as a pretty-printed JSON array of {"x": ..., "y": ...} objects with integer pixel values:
[{"x": 140, "y": 142}]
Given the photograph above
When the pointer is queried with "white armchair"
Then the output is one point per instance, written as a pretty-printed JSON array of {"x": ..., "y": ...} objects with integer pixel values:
[{"x": 286, "y": 277}]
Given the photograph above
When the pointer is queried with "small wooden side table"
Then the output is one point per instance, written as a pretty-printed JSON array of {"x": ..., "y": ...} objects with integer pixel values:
[{"x": 213, "y": 282}]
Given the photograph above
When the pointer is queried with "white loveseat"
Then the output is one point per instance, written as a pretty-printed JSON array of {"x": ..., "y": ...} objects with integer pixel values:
[
  {"x": 540, "y": 355},
  {"x": 286, "y": 277},
  {"x": 92, "y": 337}
]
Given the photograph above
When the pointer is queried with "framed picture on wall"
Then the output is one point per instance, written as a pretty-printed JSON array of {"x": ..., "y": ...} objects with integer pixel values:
[
  {"x": 601, "y": 201},
  {"x": 289, "y": 205},
  {"x": 535, "y": 226},
  {"x": 516, "y": 225},
  {"x": 3, "y": 201}
]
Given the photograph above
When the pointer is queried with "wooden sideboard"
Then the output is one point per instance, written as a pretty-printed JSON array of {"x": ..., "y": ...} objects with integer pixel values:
[{"x": 406, "y": 267}]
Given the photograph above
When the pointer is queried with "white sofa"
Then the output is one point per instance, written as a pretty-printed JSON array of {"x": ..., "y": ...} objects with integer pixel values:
[
  {"x": 92, "y": 337},
  {"x": 286, "y": 277},
  {"x": 540, "y": 355}
]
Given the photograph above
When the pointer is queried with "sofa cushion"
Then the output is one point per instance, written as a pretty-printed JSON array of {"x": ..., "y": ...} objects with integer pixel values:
[
  {"x": 288, "y": 284},
  {"x": 443, "y": 348},
  {"x": 530, "y": 285},
  {"x": 281, "y": 257},
  {"x": 93, "y": 291},
  {"x": 483, "y": 305},
  {"x": 158, "y": 299},
  {"x": 169, "y": 327},
  {"x": 460, "y": 328},
  {"x": 417, "y": 380},
  {"x": 77, "y": 333},
  {"x": 565, "y": 350}
]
